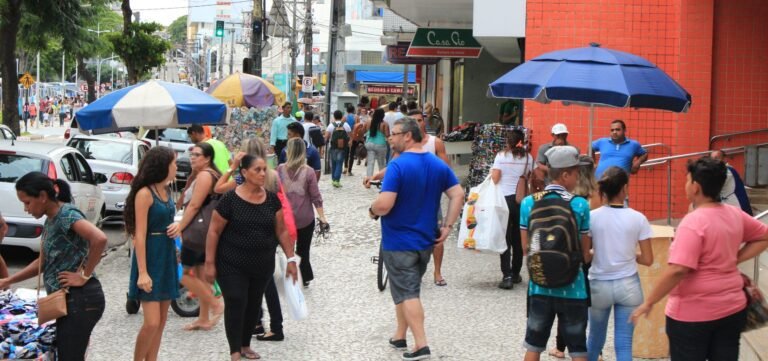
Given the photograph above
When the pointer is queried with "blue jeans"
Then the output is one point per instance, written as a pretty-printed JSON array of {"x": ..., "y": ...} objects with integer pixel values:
[
  {"x": 623, "y": 295},
  {"x": 337, "y": 162}
]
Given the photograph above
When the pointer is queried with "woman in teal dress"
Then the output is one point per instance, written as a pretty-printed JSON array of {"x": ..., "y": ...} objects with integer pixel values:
[{"x": 149, "y": 212}]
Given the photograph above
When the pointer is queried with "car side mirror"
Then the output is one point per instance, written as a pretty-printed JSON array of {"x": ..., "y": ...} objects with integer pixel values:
[{"x": 100, "y": 178}]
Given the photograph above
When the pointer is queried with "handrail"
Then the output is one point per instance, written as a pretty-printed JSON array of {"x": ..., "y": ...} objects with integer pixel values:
[
  {"x": 669, "y": 177},
  {"x": 756, "y": 260},
  {"x": 729, "y": 135},
  {"x": 728, "y": 151}
]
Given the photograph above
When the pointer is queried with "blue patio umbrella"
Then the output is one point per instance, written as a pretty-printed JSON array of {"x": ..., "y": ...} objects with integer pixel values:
[
  {"x": 593, "y": 76},
  {"x": 153, "y": 104}
]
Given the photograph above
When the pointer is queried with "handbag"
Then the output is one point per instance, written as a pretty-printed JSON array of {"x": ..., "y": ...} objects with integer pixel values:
[
  {"x": 196, "y": 232},
  {"x": 361, "y": 152},
  {"x": 53, "y": 305},
  {"x": 523, "y": 189},
  {"x": 757, "y": 309}
]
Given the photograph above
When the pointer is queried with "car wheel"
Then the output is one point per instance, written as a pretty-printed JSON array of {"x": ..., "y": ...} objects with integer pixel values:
[{"x": 102, "y": 215}]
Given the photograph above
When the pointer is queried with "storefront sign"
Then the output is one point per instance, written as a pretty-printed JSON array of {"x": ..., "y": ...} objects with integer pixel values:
[
  {"x": 397, "y": 54},
  {"x": 444, "y": 43},
  {"x": 388, "y": 89}
]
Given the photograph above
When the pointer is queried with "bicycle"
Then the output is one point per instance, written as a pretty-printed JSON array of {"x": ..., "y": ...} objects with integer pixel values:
[{"x": 382, "y": 277}]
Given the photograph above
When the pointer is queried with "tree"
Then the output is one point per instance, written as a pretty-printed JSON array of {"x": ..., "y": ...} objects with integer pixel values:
[
  {"x": 40, "y": 17},
  {"x": 178, "y": 31},
  {"x": 137, "y": 45}
]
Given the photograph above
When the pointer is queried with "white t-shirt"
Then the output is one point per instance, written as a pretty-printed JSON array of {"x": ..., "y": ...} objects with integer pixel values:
[
  {"x": 512, "y": 168},
  {"x": 391, "y": 117},
  {"x": 331, "y": 127},
  {"x": 306, "y": 126},
  {"x": 616, "y": 233}
]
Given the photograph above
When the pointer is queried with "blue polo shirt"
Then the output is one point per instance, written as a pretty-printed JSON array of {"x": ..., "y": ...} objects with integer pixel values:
[
  {"x": 580, "y": 207},
  {"x": 313, "y": 156},
  {"x": 619, "y": 155},
  {"x": 419, "y": 179}
]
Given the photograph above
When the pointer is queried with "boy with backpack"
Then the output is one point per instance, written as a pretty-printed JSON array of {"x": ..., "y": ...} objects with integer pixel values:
[
  {"x": 554, "y": 227},
  {"x": 338, "y": 132}
]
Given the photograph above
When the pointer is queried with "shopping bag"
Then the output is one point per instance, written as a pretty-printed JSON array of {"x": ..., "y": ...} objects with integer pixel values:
[
  {"x": 290, "y": 291},
  {"x": 484, "y": 219}
]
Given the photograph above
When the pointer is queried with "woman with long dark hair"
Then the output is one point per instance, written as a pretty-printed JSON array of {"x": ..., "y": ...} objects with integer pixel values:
[
  {"x": 508, "y": 167},
  {"x": 377, "y": 131},
  {"x": 197, "y": 195},
  {"x": 70, "y": 249},
  {"x": 149, "y": 212},
  {"x": 245, "y": 230}
]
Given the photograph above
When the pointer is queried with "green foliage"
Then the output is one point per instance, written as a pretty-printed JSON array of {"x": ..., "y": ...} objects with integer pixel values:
[
  {"x": 178, "y": 31},
  {"x": 142, "y": 49}
]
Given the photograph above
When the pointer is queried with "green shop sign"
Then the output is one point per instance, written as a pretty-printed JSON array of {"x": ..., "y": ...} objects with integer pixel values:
[{"x": 444, "y": 43}]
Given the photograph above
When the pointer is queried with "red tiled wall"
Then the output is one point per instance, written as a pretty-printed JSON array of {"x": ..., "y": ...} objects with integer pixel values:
[{"x": 674, "y": 35}]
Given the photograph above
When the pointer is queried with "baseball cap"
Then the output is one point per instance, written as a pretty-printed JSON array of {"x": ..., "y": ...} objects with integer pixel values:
[
  {"x": 299, "y": 114},
  {"x": 559, "y": 128},
  {"x": 564, "y": 156}
]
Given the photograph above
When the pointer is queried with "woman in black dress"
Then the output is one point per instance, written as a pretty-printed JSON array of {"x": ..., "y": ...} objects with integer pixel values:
[{"x": 245, "y": 230}]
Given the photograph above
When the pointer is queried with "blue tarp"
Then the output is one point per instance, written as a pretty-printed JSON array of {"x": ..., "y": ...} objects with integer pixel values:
[{"x": 383, "y": 77}]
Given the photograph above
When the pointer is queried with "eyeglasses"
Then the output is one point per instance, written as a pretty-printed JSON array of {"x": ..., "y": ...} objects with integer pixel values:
[
  {"x": 397, "y": 133},
  {"x": 195, "y": 154}
]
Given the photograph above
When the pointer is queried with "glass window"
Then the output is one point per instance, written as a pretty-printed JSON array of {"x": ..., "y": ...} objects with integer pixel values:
[
  {"x": 12, "y": 167},
  {"x": 83, "y": 169},
  {"x": 67, "y": 165},
  {"x": 142, "y": 150},
  {"x": 104, "y": 150}
]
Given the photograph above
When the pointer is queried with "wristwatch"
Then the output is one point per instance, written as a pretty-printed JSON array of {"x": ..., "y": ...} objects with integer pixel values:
[{"x": 293, "y": 259}]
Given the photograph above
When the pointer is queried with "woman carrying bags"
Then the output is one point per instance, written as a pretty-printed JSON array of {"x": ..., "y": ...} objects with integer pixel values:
[
  {"x": 70, "y": 249},
  {"x": 197, "y": 198},
  {"x": 512, "y": 166},
  {"x": 246, "y": 228}
]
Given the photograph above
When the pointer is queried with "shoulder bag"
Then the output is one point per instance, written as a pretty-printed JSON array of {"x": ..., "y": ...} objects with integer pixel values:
[
  {"x": 54, "y": 305},
  {"x": 196, "y": 232},
  {"x": 523, "y": 189},
  {"x": 757, "y": 309}
]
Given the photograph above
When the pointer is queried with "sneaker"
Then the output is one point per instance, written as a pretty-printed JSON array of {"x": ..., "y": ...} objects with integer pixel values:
[
  {"x": 517, "y": 279},
  {"x": 506, "y": 283},
  {"x": 400, "y": 345},
  {"x": 420, "y": 354}
]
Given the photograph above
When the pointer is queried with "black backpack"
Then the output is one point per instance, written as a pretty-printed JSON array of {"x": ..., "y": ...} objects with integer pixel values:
[
  {"x": 316, "y": 136},
  {"x": 339, "y": 137},
  {"x": 554, "y": 245}
]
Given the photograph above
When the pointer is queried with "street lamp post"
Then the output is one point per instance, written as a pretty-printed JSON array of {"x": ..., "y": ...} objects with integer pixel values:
[{"x": 98, "y": 32}]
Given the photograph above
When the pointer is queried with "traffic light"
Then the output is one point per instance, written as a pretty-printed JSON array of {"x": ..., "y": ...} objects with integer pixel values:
[{"x": 219, "y": 28}]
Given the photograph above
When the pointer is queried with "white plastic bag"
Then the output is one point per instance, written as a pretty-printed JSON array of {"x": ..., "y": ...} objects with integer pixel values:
[
  {"x": 290, "y": 291},
  {"x": 484, "y": 219}
]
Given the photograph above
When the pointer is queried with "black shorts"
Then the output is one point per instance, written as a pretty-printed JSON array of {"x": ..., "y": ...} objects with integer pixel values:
[{"x": 191, "y": 257}]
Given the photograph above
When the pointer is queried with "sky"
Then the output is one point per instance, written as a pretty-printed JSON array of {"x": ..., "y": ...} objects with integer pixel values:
[{"x": 163, "y": 12}]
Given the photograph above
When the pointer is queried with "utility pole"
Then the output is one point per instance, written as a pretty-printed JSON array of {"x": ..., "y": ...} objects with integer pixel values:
[
  {"x": 405, "y": 83},
  {"x": 335, "y": 52},
  {"x": 231, "y": 50},
  {"x": 63, "y": 90},
  {"x": 294, "y": 48},
  {"x": 220, "y": 58},
  {"x": 257, "y": 20},
  {"x": 308, "y": 41}
]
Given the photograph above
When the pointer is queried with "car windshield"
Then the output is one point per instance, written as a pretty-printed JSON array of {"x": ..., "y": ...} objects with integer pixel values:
[
  {"x": 171, "y": 135},
  {"x": 104, "y": 150},
  {"x": 13, "y": 166}
]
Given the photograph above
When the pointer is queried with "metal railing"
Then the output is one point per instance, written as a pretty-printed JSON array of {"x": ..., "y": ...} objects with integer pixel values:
[
  {"x": 734, "y": 134},
  {"x": 756, "y": 275},
  {"x": 669, "y": 176}
]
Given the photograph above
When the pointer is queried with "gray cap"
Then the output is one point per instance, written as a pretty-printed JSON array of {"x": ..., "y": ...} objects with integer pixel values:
[{"x": 564, "y": 156}]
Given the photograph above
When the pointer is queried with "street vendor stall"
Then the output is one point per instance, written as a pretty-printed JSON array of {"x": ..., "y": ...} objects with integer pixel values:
[{"x": 20, "y": 335}]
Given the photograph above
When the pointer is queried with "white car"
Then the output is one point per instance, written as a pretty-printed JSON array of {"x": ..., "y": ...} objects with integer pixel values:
[
  {"x": 6, "y": 132},
  {"x": 116, "y": 158},
  {"x": 18, "y": 158},
  {"x": 176, "y": 139}
]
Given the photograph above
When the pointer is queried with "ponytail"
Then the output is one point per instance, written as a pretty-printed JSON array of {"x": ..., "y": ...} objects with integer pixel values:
[{"x": 34, "y": 183}]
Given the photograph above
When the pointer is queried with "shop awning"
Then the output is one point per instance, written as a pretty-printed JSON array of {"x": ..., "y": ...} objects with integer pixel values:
[{"x": 383, "y": 77}]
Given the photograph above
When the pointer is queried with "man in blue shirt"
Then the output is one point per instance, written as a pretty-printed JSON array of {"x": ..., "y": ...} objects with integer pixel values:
[
  {"x": 569, "y": 301},
  {"x": 296, "y": 130},
  {"x": 408, "y": 204},
  {"x": 619, "y": 151},
  {"x": 278, "y": 135}
]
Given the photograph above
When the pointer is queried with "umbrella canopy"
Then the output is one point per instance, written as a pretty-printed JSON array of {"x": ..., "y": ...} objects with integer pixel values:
[
  {"x": 239, "y": 90},
  {"x": 153, "y": 104},
  {"x": 593, "y": 76}
]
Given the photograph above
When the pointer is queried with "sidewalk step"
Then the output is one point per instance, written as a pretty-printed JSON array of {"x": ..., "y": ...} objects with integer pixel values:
[{"x": 754, "y": 345}]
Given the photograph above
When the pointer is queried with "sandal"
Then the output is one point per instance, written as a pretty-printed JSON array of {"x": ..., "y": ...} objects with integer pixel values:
[
  {"x": 441, "y": 282},
  {"x": 250, "y": 354},
  {"x": 196, "y": 326},
  {"x": 554, "y": 352},
  {"x": 271, "y": 337}
]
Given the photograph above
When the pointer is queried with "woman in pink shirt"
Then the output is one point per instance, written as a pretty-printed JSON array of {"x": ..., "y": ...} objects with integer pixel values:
[{"x": 706, "y": 310}]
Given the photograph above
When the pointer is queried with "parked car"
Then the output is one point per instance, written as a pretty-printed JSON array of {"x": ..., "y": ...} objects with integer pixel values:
[
  {"x": 118, "y": 159},
  {"x": 18, "y": 158},
  {"x": 176, "y": 139},
  {"x": 6, "y": 132},
  {"x": 74, "y": 129}
]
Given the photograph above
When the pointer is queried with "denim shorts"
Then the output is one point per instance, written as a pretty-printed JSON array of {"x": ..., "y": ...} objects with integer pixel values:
[
  {"x": 571, "y": 315},
  {"x": 405, "y": 270}
]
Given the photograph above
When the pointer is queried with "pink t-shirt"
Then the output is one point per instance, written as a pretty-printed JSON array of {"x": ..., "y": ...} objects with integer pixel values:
[{"x": 707, "y": 241}]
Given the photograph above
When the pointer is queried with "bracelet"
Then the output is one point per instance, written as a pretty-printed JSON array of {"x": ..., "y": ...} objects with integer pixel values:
[
  {"x": 82, "y": 274},
  {"x": 293, "y": 259}
]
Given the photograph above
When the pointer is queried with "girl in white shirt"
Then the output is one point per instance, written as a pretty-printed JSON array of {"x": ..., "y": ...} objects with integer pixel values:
[
  {"x": 511, "y": 164},
  {"x": 616, "y": 232}
]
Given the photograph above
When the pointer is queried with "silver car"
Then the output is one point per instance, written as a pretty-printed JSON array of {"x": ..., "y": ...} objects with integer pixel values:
[{"x": 116, "y": 158}]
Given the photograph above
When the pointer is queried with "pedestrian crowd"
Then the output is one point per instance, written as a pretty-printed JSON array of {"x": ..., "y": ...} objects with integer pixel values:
[
  {"x": 569, "y": 223},
  {"x": 48, "y": 110}
]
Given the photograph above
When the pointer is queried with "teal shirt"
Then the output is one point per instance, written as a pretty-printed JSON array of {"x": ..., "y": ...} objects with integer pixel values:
[
  {"x": 379, "y": 139},
  {"x": 279, "y": 129},
  {"x": 580, "y": 206},
  {"x": 63, "y": 249}
]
